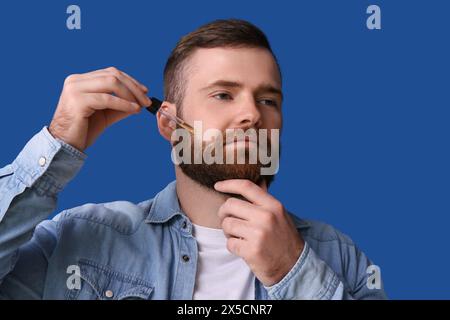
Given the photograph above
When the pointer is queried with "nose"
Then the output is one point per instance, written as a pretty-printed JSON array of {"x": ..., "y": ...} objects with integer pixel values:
[{"x": 249, "y": 115}]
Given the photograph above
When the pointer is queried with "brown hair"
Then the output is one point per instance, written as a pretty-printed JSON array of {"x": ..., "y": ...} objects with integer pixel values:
[{"x": 231, "y": 33}]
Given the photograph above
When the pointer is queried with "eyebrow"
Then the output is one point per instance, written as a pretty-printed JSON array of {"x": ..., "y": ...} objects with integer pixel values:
[{"x": 266, "y": 87}]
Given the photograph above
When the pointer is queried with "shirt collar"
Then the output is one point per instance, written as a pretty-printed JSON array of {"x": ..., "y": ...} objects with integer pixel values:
[
  {"x": 298, "y": 222},
  {"x": 165, "y": 205}
]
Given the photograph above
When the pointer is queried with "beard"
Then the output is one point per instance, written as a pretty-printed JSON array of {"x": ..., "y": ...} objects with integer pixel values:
[{"x": 208, "y": 174}]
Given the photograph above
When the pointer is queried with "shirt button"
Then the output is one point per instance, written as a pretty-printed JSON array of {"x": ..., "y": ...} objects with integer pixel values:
[
  {"x": 185, "y": 258},
  {"x": 184, "y": 225},
  {"x": 109, "y": 293},
  {"x": 42, "y": 161}
]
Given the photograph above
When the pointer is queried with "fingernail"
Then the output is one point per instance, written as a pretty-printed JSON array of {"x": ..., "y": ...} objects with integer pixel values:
[{"x": 137, "y": 107}]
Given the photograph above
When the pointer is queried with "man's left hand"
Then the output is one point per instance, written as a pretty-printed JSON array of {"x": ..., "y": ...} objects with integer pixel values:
[{"x": 259, "y": 230}]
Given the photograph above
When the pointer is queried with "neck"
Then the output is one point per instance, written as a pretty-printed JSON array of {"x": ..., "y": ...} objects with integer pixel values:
[{"x": 199, "y": 203}]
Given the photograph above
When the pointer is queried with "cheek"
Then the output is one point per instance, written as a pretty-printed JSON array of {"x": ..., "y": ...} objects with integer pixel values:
[
  {"x": 272, "y": 120},
  {"x": 212, "y": 118}
]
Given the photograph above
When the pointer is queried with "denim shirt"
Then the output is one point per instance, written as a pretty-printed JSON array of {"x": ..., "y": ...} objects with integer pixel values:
[{"x": 123, "y": 250}]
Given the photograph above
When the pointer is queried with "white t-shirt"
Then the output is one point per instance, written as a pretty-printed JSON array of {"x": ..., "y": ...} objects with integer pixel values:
[{"x": 220, "y": 274}]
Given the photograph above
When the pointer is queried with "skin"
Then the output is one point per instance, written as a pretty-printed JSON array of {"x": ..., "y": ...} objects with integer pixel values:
[
  {"x": 259, "y": 229},
  {"x": 87, "y": 107}
]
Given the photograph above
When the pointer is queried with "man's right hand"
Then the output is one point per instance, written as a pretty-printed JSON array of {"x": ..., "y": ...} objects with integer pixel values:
[{"x": 93, "y": 101}]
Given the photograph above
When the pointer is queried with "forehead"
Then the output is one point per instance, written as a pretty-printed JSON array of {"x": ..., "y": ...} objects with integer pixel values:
[{"x": 250, "y": 66}]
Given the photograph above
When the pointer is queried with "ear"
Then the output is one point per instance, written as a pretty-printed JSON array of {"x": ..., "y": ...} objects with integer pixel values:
[{"x": 165, "y": 125}]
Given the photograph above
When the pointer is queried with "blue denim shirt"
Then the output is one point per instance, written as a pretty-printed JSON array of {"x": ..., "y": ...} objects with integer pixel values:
[{"x": 121, "y": 250}]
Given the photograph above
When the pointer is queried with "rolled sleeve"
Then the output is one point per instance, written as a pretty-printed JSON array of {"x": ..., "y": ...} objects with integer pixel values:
[
  {"x": 47, "y": 163},
  {"x": 309, "y": 279}
]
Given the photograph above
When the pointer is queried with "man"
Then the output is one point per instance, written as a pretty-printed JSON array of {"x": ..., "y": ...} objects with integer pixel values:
[{"x": 214, "y": 233}]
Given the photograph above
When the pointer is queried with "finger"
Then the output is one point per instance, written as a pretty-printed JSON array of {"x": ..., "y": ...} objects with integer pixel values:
[
  {"x": 238, "y": 228},
  {"x": 105, "y": 83},
  {"x": 236, "y": 246},
  {"x": 143, "y": 87},
  {"x": 102, "y": 101},
  {"x": 247, "y": 189},
  {"x": 113, "y": 70},
  {"x": 238, "y": 208},
  {"x": 138, "y": 90}
]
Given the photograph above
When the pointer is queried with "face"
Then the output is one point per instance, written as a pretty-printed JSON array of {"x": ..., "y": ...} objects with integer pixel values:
[
  {"x": 230, "y": 88},
  {"x": 233, "y": 88}
]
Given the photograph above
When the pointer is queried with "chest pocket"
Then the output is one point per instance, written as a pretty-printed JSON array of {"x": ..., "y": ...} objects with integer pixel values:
[{"x": 103, "y": 283}]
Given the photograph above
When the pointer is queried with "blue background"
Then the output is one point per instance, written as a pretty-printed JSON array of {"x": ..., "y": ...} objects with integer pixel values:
[{"x": 365, "y": 142}]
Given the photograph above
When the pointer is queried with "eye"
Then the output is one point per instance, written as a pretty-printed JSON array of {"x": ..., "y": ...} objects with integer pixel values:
[
  {"x": 269, "y": 102},
  {"x": 222, "y": 96}
]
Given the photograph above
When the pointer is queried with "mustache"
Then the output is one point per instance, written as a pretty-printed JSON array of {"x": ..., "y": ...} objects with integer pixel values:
[{"x": 229, "y": 136}]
